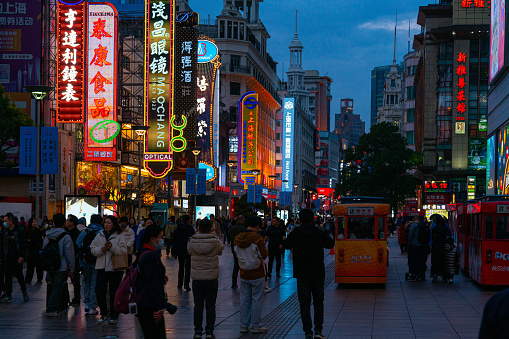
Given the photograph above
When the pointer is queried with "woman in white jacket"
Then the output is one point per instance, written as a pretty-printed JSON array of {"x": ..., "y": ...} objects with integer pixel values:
[{"x": 107, "y": 243}]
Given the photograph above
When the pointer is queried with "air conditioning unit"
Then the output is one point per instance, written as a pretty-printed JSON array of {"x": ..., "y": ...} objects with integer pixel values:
[{"x": 456, "y": 187}]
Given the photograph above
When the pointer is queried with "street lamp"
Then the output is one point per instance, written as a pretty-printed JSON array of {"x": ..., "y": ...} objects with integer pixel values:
[
  {"x": 230, "y": 164},
  {"x": 140, "y": 131},
  {"x": 273, "y": 177},
  {"x": 196, "y": 151},
  {"x": 38, "y": 92},
  {"x": 295, "y": 186}
]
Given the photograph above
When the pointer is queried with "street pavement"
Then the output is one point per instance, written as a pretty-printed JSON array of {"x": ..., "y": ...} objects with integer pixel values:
[{"x": 400, "y": 309}]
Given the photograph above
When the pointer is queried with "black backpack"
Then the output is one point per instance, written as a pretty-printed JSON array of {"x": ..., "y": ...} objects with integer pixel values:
[
  {"x": 85, "y": 251},
  {"x": 424, "y": 236},
  {"x": 50, "y": 254}
]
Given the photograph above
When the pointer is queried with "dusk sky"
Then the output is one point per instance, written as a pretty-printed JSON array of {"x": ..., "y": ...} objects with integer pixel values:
[{"x": 343, "y": 39}]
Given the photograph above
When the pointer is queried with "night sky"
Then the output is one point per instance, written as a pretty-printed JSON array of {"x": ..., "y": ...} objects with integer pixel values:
[{"x": 343, "y": 39}]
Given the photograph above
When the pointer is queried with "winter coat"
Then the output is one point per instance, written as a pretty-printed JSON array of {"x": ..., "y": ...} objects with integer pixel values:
[
  {"x": 118, "y": 246},
  {"x": 180, "y": 238},
  {"x": 413, "y": 235},
  {"x": 20, "y": 241},
  {"x": 205, "y": 249},
  {"x": 244, "y": 240},
  {"x": 169, "y": 229},
  {"x": 451, "y": 257},
  {"x": 65, "y": 247},
  {"x": 402, "y": 236},
  {"x": 35, "y": 240},
  {"x": 234, "y": 231},
  {"x": 128, "y": 235},
  {"x": 150, "y": 281},
  {"x": 90, "y": 228},
  {"x": 438, "y": 235}
]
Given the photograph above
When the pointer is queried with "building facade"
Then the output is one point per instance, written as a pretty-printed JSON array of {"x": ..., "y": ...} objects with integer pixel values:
[
  {"x": 393, "y": 105},
  {"x": 411, "y": 59},
  {"x": 378, "y": 77},
  {"x": 349, "y": 126}
]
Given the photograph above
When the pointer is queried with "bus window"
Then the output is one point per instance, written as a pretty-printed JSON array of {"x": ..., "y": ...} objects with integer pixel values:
[
  {"x": 488, "y": 227},
  {"x": 381, "y": 228},
  {"x": 502, "y": 227},
  {"x": 361, "y": 227},
  {"x": 341, "y": 228}
]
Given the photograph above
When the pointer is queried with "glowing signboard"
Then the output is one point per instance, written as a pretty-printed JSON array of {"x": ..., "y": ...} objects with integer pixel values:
[
  {"x": 461, "y": 100},
  {"x": 207, "y": 50},
  {"x": 475, "y": 3},
  {"x": 497, "y": 37},
  {"x": 288, "y": 139},
  {"x": 248, "y": 136},
  {"x": 158, "y": 90},
  {"x": 70, "y": 65},
  {"x": 101, "y": 104}
]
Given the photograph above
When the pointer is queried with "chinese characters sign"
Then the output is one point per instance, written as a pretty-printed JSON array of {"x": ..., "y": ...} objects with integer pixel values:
[
  {"x": 461, "y": 101},
  {"x": 248, "y": 130},
  {"x": 158, "y": 59},
  {"x": 438, "y": 198},
  {"x": 49, "y": 150},
  {"x": 27, "y": 150},
  {"x": 70, "y": 65},
  {"x": 288, "y": 132},
  {"x": 101, "y": 104},
  {"x": 437, "y": 186},
  {"x": 475, "y": 3},
  {"x": 361, "y": 211}
]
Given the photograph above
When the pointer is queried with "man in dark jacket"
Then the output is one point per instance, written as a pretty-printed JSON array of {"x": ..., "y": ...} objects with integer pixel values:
[
  {"x": 181, "y": 236},
  {"x": 71, "y": 227},
  {"x": 494, "y": 324},
  {"x": 234, "y": 231},
  {"x": 13, "y": 251},
  {"x": 275, "y": 235},
  {"x": 308, "y": 242}
]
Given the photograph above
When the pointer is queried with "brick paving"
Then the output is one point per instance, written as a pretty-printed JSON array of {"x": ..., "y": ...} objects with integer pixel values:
[{"x": 399, "y": 309}]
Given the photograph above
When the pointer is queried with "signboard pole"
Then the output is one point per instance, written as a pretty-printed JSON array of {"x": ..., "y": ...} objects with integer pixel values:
[{"x": 38, "y": 160}]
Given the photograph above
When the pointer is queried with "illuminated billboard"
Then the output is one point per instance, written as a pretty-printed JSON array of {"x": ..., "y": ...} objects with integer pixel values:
[
  {"x": 503, "y": 161},
  {"x": 101, "y": 128},
  {"x": 208, "y": 65},
  {"x": 70, "y": 62},
  {"x": 477, "y": 157},
  {"x": 288, "y": 136},
  {"x": 248, "y": 137},
  {"x": 497, "y": 37},
  {"x": 158, "y": 90}
]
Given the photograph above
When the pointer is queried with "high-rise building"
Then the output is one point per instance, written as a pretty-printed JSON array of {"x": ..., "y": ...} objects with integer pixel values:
[
  {"x": 319, "y": 87},
  {"x": 411, "y": 59},
  {"x": 451, "y": 103},
  {"x": 348, "y": 125}
]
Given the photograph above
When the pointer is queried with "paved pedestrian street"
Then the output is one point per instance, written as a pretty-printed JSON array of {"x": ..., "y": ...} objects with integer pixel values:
[{"x": 399, "y": 310}]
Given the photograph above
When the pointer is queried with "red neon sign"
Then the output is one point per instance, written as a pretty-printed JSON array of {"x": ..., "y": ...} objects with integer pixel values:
[
  {"x": 70, "y": 65},
  {"x": 461, "y": 71}
]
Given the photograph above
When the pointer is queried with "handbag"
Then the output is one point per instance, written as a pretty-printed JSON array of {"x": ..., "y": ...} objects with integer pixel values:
[{"x": 119, "y": 262}]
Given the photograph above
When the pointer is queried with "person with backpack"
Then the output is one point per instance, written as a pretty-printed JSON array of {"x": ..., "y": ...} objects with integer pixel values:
[
  {"x": 169, "y": 229},
  {"x": 307, "y": 243},
  {"x": 251, "y": 253},
  {"x": 107, "y": 243},
  {"x": 87, "y": 262},
  {"x": 35, "y": 239},
  {"x": 59, "y": 261},
  {"x": 150, "y": 281},
  {"x": 205, "y": 248},
  {"x": 181, "y": 236},
  {"x": 71, "y": 226},
  {"x": 14, "y": 251}
]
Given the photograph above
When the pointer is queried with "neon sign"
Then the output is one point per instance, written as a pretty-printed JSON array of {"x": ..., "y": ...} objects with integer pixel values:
[
  {"x": 475, "y": 3},
  {"x": 70, "y": 73},
  {"x": 248, "y": 136},
  {"x": 461, "y": 72},
  {"x": 288, "y": 139},
  {"x": 101, "y": 100}
]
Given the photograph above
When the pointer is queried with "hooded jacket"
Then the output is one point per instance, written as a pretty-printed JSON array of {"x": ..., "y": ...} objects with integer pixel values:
[
  {"x": 244, "y": 240},
  {"x": 90, "y": 228},
  {"x": 205, "y": 249},
  {"x": 118, "y": 246},
  {"x": 65, "y": 247}
]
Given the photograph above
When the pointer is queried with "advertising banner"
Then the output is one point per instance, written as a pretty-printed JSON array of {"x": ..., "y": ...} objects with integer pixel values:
[
  {"x": 70, "y": 62},
  {"x": 49, "y": 150},
  {"x": 258, "y": 193},
  {"x": 201, "y": 181},
  {"x": 250, "y": 194},
  {"x": 438, "y": 198},
  {"x": 497, "y": 37},
  {"x": 490, "y": 168},
  {"x": 288, "y": 140},
  {"x": 101, "y": 128},
  {"x": 503, "y": 161},
  {"x": 158, "y": 85},
  {"x": 477, "y": 154},
  {"x": 248, "y": 136},
  {"x": 27, "y": 150},
  {"x": 20, "y": 55},
  {"x": 190, "y": 180}
]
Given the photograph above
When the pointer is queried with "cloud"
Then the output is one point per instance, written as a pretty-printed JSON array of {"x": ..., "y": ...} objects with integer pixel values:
[{"x": 387, "y": 24}]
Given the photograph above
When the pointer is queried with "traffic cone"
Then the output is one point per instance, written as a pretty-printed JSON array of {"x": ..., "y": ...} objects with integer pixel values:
[{"x": 332, "y": 251}]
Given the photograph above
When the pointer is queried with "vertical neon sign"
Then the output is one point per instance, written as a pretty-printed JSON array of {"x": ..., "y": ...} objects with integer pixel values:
[
  {"x": 248, "y": 137},
  {"x": 288, "y": 131}
]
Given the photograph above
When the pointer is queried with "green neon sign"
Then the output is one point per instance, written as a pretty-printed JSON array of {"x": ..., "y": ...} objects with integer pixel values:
[
  {"x": 179, "y": 137},
  {"x": 104, "y": 125}
]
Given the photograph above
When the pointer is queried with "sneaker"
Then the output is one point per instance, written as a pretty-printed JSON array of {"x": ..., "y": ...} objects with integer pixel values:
[
  {"x": 319, "y": 335},
  {"x": 52, "y": 314},
  {"x": 309, "y": 335},
  {"x": 6, "y": 299},
  {"x": 113, "y": 321},
  {"x": 244, "y": 329},
  {"x": 197, "y": 335},
  {"x": 25, "y": 297},
  {"x": 267, "y": 289},
  {"x": 259, "y": 329},
  {"x": 74, "y": 302},
  {"x": 103, "y": 319},
  {"x": 92, "y": 311},
  {"x": 210, "y": 335}
]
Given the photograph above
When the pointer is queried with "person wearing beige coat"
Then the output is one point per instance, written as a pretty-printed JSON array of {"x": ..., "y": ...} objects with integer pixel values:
[
  {"x": 205, "y": 248},
  {"x": 107, "y": 243}
]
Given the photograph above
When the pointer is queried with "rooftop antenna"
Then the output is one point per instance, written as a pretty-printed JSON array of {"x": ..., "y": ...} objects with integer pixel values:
[{"x": 395, "y": 27}]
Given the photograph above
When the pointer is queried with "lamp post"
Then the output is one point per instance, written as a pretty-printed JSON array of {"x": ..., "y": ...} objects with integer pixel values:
[
  {"x": 230, "y": 164},
  {"x": 310, "y": 199},
  {"x": 196, "y": 151},
  {"x": 272, "y": 177},
  {"x": 38, "y": 92},
  {"x": 140, "y": 130},
  {"x": 295, "y": 186}
]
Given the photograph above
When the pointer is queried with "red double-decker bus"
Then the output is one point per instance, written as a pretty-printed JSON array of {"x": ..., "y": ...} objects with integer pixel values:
[{"x": 481, "y": 231}]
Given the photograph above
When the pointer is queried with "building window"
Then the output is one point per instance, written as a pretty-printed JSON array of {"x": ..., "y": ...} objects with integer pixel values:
[
  {"x": 410, "y": 115},
  {"x": 393, "y": 83},
  {"x": 234, "y": 144},
  {"x": 235, "y": 60},
  {"x": 278, "y": 149},
  {"x": 236, "y": 30},
  {"x": 410, "y": 93},
  {"x": 279, "y": 123},
  {"x": 278, "y": 136},
  {"x": 410, "y": 137},
  {"x": 234, "y": 88},
  {"x": 221, "y": 28},
  {"x": 278, "y": 162},
  {"x": 229, "y": 29}
]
